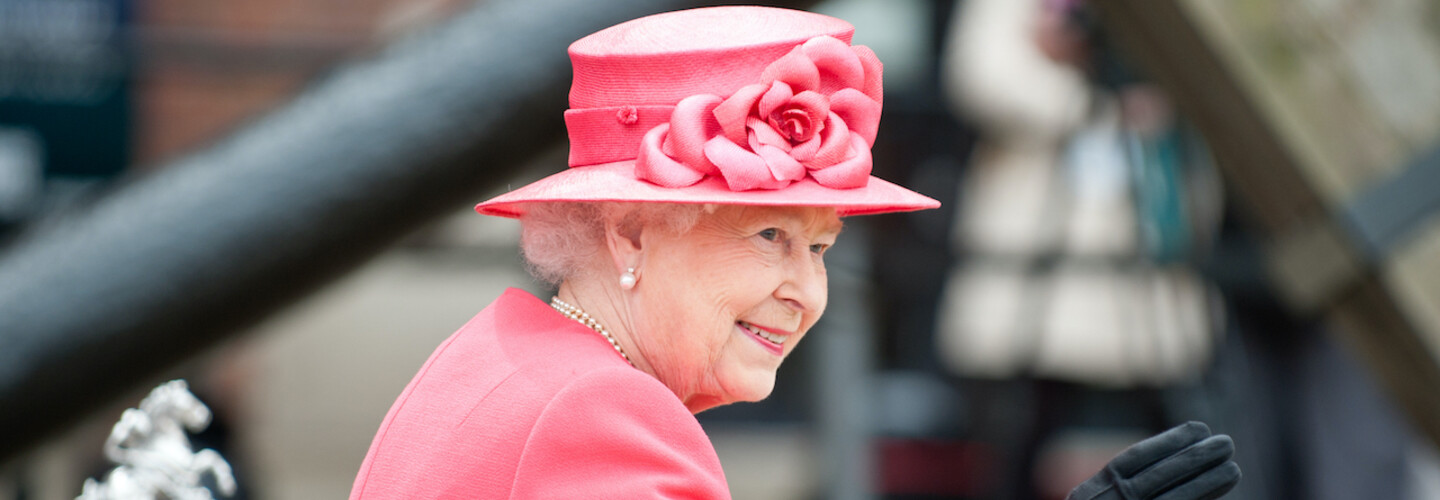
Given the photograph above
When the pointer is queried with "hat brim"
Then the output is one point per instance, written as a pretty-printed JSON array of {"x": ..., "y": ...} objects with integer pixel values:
[{"x": 616, "y": 182}]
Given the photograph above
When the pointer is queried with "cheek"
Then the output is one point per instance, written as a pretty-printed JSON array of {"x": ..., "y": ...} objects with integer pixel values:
[
  {"x": 737, "y": 278},
  {"x": 701, "y": 292}
]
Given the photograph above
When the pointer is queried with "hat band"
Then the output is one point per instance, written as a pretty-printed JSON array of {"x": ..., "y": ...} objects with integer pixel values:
[
  {"x": 619, "y": 133},
  {"x": 605, "y": 135}
]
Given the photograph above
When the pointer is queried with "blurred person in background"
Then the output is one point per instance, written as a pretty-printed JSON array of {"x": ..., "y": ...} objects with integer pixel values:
[{"x": 1080, "y": 220}]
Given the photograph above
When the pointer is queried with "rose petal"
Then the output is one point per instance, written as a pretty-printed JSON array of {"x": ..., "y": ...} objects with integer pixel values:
[
  {"x": 854, "y": 172},
  {"x": 839, "y": 66},
  {"x": 795, "y": 69},
  {"x": 691, "y": 124},
  {"x": 735, "y": 109},
  {"x": 860, "y": 112},
  {"x": 782, "y": 166},
  {"x": 805, "y": 151},
  {"x": 834, "y": 144},
  {"x": 795, "y": 124},
  {"x": 778, "y": 95},
  {"x": 874, "y": 73},
  {"x": 762, "y": 134},
  {"x": 652, "y": 165},
  {"x": 814, "y": 103},
  {"x": 817, "y": 106},
  {"x": 741, "y": 169}
]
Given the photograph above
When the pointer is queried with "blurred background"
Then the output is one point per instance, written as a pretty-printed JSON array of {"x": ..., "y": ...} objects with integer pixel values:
[{"x": 1153, "y": 212}]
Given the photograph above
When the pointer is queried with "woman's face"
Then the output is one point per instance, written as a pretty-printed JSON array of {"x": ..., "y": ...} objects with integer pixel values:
[{"x": 718, "y": 308}]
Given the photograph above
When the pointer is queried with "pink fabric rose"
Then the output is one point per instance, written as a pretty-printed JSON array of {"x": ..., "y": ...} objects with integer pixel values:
[{"x": 814, "y": 112}]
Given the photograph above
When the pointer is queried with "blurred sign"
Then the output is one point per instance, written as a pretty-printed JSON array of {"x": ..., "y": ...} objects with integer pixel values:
[{"x": 64, "y": 77}]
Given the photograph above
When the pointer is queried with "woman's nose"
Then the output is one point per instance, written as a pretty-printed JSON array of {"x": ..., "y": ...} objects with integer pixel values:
[{"x": 805, "y": 288}]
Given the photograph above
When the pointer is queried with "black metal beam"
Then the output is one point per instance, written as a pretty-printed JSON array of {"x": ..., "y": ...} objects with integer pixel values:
[{"x": 168, "y": 265}]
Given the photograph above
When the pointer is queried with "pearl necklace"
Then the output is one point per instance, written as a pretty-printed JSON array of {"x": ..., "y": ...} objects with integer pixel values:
[{"x": 576, "y": 314}]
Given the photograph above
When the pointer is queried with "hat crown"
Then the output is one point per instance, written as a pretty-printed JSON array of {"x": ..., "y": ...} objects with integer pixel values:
[{"x": 661, "y": 59}]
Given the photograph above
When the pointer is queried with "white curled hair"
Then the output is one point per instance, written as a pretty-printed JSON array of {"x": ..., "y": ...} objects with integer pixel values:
[{"x": 559, "y": 240}]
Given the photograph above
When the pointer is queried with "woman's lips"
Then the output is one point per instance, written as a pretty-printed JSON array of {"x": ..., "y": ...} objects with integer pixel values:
[{"x": 765, "y": 337}]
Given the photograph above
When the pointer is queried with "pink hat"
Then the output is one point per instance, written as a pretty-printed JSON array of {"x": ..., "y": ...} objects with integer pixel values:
[{"x": 726, "y": 105}]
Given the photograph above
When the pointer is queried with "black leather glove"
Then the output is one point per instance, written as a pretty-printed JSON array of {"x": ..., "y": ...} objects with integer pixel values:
[{"x": 1183, "y": 463}]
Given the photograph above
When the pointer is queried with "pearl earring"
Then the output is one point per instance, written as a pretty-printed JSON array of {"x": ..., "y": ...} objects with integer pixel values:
[{"x": 627, "y": 280}]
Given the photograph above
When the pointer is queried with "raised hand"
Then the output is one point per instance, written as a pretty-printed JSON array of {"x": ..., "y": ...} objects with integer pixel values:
[{"x": 1183, "y": 463}]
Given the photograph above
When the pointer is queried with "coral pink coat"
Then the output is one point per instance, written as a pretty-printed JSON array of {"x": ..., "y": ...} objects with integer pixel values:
[{"x": 523, "y": 402}]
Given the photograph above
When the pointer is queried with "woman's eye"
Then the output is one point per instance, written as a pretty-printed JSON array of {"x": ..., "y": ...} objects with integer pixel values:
[
  {"x": 818, "y": 248},
  {"x": 771, "y": 234}
]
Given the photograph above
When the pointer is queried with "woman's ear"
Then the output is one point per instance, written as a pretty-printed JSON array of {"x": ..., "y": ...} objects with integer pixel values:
[{"x": 622, "y": 236}]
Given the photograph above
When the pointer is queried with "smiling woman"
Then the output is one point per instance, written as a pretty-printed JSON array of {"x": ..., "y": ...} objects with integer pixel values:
[{"x": 712, "y": 153}]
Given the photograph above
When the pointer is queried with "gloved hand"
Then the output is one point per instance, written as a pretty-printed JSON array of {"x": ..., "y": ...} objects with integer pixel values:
[{"x": 1183, "y": 463}]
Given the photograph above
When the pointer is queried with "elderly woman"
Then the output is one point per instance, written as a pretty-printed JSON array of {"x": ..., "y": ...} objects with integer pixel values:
[{"x": 712, "y": 153}]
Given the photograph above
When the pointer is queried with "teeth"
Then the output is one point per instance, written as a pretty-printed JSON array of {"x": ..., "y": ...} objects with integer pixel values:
[{"x": 778, "y": 339}]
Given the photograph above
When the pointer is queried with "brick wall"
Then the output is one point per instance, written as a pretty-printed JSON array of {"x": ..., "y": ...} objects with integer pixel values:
[{"x": 206, "y": 66}]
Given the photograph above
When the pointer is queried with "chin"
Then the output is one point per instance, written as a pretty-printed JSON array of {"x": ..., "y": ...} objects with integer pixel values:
[{"x": 756, "y": 387}]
